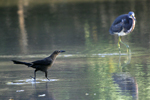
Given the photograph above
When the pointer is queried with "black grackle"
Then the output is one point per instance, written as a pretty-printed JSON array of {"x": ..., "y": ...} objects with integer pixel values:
[{"x": 41, "y": 65}]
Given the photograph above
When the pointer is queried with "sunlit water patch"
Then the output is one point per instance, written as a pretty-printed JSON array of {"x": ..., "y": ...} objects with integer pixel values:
[
  {"x": 30, "y": 81},
  {"x": 66, "y": 55}
]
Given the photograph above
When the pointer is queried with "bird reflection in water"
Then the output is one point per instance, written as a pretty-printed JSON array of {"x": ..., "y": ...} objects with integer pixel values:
[
  {"x": 42, "y": 93},
  {"x": 126, "y": 83}
]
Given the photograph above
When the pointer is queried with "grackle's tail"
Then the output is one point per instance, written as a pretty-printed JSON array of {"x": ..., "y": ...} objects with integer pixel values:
[{"x": 20, "y": 62}]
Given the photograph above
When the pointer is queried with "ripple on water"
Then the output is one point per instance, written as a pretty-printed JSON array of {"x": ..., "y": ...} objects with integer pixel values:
[{"x": 30, "y": 81}]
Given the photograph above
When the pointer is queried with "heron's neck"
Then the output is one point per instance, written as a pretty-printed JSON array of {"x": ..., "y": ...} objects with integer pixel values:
[{"x": 130, "y": 17}]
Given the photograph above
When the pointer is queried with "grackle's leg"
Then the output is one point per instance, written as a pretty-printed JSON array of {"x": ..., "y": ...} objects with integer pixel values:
[
  {"x": 46, "y": 75},
  {"x": 34, "y": 74}
]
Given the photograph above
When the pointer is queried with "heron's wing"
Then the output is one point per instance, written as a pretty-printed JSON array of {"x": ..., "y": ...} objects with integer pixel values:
[
  {"x": 120, "y": 18},
  {"x": 117, "y": 27},
  {"x": 129, "y": 25},
  {"x": 118, "y": 24}
]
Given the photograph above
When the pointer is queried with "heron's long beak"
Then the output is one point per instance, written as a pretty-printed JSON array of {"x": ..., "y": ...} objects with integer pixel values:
[{"x": 133, "y": 17}]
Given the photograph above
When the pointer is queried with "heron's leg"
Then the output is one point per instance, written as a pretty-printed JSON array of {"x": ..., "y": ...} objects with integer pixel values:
[
  {"x": 127, "y": 46},
  {"x": 128, "y": 51},
  {"x": 119, "y": 40},
  {"x": 46, "y": 75},
  {"x": 119, "y": 64}
]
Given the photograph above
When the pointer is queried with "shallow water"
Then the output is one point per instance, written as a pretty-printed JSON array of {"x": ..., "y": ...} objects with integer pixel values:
[{"x": 91, "y": 68}]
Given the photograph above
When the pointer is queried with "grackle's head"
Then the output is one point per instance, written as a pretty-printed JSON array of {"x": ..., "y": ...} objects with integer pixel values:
[
  {"x": 58, "y": 51},
  {"x": 55, "y": 53}
]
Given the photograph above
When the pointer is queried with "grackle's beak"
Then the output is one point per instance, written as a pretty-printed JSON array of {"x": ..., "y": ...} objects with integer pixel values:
[{"x": 62, "y": 51}]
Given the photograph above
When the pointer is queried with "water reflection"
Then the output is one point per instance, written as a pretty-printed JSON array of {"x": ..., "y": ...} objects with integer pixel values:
[
  {"x": 38, "y": 90},
  {"x": 127, "y": 61},
  {"x": 64, "y": 25},
  {"x": 127, "y": 84},
  {"x": 42, "y": 93},
  {"x": 23, "y": 34}
]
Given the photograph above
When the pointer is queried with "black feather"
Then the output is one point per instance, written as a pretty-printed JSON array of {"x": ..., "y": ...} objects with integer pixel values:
[{"x": 20, "y": 62}]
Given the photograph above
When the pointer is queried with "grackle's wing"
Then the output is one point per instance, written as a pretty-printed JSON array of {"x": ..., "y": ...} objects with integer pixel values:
[{"x": 42, "y": 62}]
